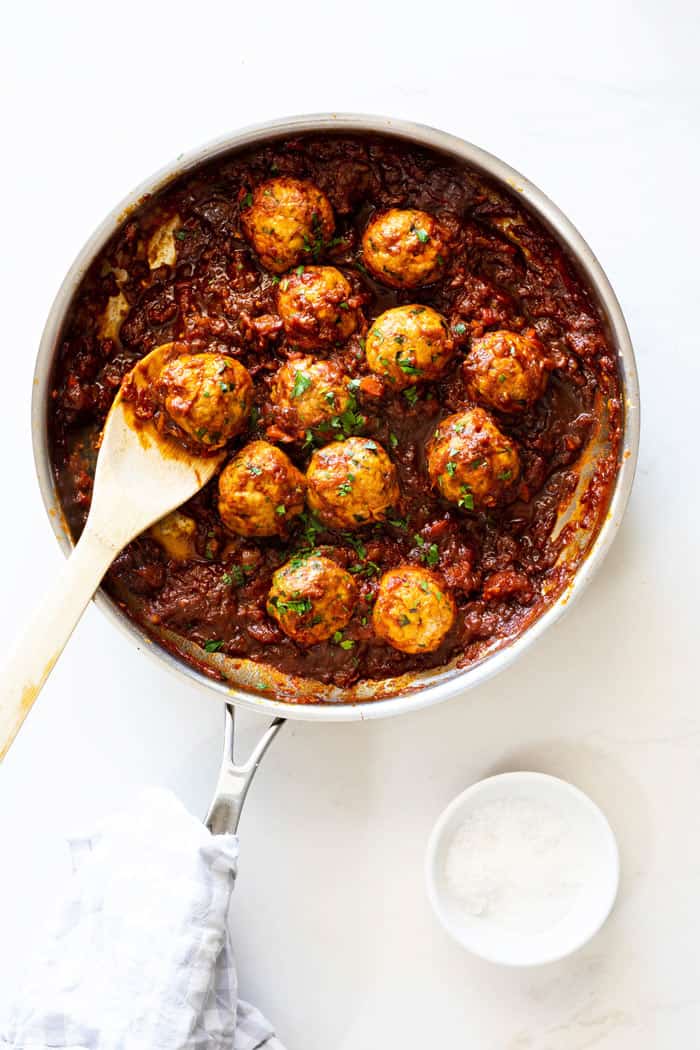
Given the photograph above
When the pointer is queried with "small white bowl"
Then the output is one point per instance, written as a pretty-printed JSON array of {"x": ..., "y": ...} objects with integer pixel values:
[{"x": 598, "y": 875}]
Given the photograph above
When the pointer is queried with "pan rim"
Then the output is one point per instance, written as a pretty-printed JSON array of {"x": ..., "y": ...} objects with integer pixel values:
[{"x": 562, "y": 229}]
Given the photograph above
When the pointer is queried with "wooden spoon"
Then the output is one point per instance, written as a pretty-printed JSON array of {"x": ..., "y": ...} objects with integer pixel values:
[{"x": 140, "y": 476}]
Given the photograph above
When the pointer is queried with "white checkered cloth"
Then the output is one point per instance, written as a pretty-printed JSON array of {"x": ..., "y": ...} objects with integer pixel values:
[{"x": 140, "y": 957}]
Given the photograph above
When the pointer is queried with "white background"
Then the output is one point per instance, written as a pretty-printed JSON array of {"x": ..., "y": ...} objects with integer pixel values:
[{"x": 598, "y": 103}]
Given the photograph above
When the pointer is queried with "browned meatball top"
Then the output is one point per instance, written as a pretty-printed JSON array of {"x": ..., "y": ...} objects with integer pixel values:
[
  {"x": 408, "y": 345},
  {"x": 209, "y": 396},
  {"x": 414, "y": 609},
  {"x": 405, "y": 248},
  {"x": 287, "y": 220},
  {"x": 471, "y": 463},
  {"x": 311, "y": 598},
  {"x": 316, "y": 306},
  {"x": 260, "y": 491},
  {"x": 308, "y": 394},
  {"x": 507, "y": 371},
  {"x": 352, "y": 483}
]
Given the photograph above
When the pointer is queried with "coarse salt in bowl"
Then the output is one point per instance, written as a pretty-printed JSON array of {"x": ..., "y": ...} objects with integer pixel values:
[{"x": 522, "y": 868}]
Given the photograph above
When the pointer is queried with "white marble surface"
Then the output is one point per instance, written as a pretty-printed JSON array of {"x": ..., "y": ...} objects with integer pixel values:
[{"x": 599, "y": 105}]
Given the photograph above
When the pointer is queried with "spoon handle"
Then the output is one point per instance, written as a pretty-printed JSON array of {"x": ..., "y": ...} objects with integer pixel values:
[{"x": 37, "y": 649}]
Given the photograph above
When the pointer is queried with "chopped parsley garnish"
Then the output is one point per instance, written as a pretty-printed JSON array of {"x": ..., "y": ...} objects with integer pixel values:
[
  {"x": 344, "y": 643},
  {"x": 181, "y": 234},
  {"x": 247, "y": 200},
  {"x": 254, "y": 470},
  {"x": 369, "y": 568},
  {"x": 505, "y": 475},
  {"x": 502, "y": 378},
  {"x": 357, "y": 545},
  {"x": 280, "y": 509},
  {"x": 451, "y": 468},
  {"x": 419, "y": 539},
  {"x": 312, "y": 526},
  {"x": 214, "y": 646},
  {"x": 411, "y": 395},
  {"x": 345, "y": 488},
  {"x": 432, "y": 556},
  {"x": 299, "y": 270},
  {"x": 460, "y": 328},
  {"x": 393, "y": 440},
  {"x": 421, "y": 235},
  {"x": 298, "y": 560},
  {"x": 406, "y": 367},
  {"x": 316, "y": 246},
  {"x": 236, "y": 576},
  {"x": 299, "y": 606},
  {"x": 351, "y": 420},
  {"x": 302, "y": 383},
  {"x": 466, "y": 499}
]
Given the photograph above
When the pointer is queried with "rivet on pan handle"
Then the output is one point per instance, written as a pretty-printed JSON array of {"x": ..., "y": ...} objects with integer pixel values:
[{"x": 234, "y": 780}]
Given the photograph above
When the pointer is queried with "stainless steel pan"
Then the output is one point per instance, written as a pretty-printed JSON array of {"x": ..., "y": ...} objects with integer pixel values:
[{"x": 408, "y": 693}]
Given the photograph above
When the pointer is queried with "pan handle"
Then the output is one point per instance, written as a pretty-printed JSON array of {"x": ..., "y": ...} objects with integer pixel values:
[{"x": 234, "y": 780}]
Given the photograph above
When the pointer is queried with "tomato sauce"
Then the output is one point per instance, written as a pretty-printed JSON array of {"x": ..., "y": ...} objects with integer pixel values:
[{"x": 504, "y": 271}]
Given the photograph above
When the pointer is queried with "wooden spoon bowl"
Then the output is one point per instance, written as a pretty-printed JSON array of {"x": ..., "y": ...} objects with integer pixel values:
[{"x": 141, "y": 475}]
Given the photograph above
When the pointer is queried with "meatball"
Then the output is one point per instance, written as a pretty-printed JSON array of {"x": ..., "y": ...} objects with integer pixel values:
[
  {"x": 311, "y": 598},
  {"x": 209, "y": 396},
  {"x": 313, "y": 304},
  {"x": 260, "y": 490},
  {"x": 315, "y": 391},
  {"x": 471, "y": 462},
  {"x": 404, "y": 248},
  {"x": 352, "y": 483},
  {"x": 507, "y": 371},
  {"x": 288, "y": 220},
  {"x": 409, "y": 344},
  {"x": 414, "y": 610}
]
